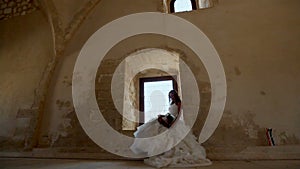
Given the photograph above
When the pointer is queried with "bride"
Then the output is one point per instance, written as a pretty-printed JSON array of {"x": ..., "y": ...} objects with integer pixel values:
[{"x": 173, "y": 149}]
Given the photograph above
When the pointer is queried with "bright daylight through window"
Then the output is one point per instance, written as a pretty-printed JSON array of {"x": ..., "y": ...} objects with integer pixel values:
[
  {"x": 182, "y": 5},
  {"x": 156, "y": 99}
]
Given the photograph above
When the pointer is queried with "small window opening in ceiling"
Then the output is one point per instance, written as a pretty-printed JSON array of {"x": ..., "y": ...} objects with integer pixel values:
[
  {"x": 182, "y": 5},
  {"x": 176, "y": 6}
]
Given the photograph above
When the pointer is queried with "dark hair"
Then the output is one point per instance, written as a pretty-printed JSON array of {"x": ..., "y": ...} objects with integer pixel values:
[{"x": 177, "y": 98}]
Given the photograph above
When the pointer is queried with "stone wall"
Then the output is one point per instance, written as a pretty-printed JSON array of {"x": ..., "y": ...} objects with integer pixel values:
[
  {"x": 26, "y": 52},
  {"x": 258, "y": 45},
  {"x": 12, "y": 8}
]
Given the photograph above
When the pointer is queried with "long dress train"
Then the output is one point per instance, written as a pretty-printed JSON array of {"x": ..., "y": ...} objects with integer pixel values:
[{"x": 187, "y": 152}]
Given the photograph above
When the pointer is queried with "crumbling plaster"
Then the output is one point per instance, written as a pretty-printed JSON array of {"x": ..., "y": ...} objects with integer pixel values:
[
  {"x": 248, "y": 58},
  {"x": 25, "y": 52},
  {"x": 152, "y": 59},
  {"x": 257, "y": 41},
  {"x": 30, "y": 115}
]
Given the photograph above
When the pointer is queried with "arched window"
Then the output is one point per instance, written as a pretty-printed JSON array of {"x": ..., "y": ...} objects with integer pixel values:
[{"x": 182, "y": 5}]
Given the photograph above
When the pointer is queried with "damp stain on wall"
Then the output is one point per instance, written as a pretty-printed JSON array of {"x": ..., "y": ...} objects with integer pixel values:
[
  {"x": 67, "y": 81},
  {"x": 238, "y": 131},
  {"x": 285, "y": 138},
  {"x": 64, "y": 124},
  {"x": 262, "y": 93},
  {"x": 237, "y": 71}
]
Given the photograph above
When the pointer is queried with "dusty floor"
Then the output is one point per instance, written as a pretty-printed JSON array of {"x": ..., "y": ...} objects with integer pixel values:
[{"x": 22, "y": 163}]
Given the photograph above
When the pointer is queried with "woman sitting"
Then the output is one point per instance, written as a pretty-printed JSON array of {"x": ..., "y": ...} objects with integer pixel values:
[{"x": 186, "y": 152}]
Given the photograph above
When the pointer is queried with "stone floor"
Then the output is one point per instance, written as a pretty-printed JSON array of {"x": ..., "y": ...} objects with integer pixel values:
[{"x": 29, "y": 163}]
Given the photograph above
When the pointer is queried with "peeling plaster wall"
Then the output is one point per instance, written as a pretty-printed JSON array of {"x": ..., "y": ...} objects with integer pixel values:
[
  {"x": 151, "y": 59},
  {"x": 54, "y": 132},
  {"x": 25, "y": 50},
  {"x": 258, "y": 43}
]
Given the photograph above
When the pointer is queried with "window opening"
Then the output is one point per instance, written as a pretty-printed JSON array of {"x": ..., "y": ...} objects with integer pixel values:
[
  {"x": 154, "y": 96},
  {"x": 182, "y": 5}
]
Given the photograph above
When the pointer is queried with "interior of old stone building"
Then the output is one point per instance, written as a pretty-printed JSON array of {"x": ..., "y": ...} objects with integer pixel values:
[{"x": 73, "y": 74}]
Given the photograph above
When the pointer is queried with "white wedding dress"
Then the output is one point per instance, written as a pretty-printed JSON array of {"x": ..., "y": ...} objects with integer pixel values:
[{"x": 169, "y": 147}]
